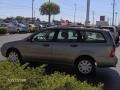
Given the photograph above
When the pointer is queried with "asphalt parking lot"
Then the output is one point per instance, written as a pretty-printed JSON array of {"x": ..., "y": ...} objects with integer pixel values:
[{"x": 109, "y": 76}]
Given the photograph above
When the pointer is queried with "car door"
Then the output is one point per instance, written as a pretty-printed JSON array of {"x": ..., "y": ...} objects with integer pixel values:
[
  {"x": 40, "y": 48},
  {"x": 66, "y": 47}
]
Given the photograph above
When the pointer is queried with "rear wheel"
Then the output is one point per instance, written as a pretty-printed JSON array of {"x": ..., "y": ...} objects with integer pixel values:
[{"x": 85, "y": 66}]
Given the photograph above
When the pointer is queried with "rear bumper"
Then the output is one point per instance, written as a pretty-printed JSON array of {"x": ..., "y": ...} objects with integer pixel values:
[
  {"x": 23, "y": 31},
  {"x": 108, "y": 62}
]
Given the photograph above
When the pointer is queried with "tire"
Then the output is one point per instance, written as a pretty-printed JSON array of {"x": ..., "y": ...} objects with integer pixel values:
[
  {"x": 85, "y": 66},
  {"x": 14, "y": 56}
]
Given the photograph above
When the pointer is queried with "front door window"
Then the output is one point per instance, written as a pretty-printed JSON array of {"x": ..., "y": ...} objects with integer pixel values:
[{"x": 44, "y": 36}]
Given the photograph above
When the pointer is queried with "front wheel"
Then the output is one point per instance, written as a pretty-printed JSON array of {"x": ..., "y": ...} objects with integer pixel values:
[
  {"x": 85, "y": 66},
  {"x": 14, "y": 56}
]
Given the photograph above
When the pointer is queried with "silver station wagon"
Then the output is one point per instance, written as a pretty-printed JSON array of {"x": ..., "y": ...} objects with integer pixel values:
[{"x": 84, "y": 48}]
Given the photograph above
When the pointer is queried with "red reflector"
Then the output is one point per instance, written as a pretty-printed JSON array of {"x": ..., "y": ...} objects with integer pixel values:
[{"x": 112, "y": 53}]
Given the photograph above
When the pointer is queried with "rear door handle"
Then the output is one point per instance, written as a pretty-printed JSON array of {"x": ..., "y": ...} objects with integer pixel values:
[
  {"x": 46, "y": 45},
  {"x": 74, "y": 45}
]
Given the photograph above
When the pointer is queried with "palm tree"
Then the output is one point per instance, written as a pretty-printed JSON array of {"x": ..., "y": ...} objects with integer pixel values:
[{"x": 49, "y": 8}]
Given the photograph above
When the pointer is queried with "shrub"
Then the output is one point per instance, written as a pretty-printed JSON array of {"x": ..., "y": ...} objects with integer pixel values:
[
  {"x": 3, "y": 30},
  {"x": 16, "y": 77}
]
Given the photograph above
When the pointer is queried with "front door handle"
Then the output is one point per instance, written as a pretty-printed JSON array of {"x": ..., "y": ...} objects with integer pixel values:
[
  {"x": 46, "y": 45},
  {"x": 74, "y": 45}
]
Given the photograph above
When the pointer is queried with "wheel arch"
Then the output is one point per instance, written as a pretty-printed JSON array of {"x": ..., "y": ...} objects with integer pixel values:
[
  {"x": 14, "y": 49},
  {"x": 84, "y": 56}
]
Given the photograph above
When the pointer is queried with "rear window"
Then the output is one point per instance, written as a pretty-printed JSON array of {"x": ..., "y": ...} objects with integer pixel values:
[
  {"x": 109, "y": 28},
  {"x": 90, "y": 36},
  {"x": 117, "y": 28}
]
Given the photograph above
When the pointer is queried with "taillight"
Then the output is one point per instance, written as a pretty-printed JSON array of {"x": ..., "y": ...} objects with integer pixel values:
[{"x": 112, "y": 53}]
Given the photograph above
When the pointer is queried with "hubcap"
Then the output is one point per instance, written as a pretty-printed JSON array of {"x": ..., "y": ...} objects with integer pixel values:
[
  {"x": 85, "y": 66},
  {"x": 13, "y": 56}
]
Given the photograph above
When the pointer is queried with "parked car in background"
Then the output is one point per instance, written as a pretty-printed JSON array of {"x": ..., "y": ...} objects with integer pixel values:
[
  {"x": 33, "y": 28},
  {"x": 4, "y": 25},
  {"x": 14, "y": 28},
  {"x": 22, "y": 28},
  {"x": 113, "y": 31},
  {"x": 83, "y": 48},
  {"x": 118, "y": 29},
  {"x": 42, "y": 26}
]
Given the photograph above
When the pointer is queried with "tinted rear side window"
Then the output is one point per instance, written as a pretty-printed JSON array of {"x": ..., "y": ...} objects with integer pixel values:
[
  {"x": 90, "y": 36},
  {"x": 67, "y": 35}
]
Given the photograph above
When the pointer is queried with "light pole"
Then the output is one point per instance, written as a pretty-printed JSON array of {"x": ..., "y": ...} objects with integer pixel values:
[
  {"x": 32, "y": 10},
  {"x": 75, "y": 13},
  {"x": 113, "y": 18},
  {"x": 116, "y": 18},
  {"x": 87, "y": 13},
  {"x": 49, "y": 13},
  {"x": 93, "y": 17}
]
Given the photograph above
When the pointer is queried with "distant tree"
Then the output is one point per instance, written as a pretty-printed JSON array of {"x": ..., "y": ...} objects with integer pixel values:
[
  {"x": 19, "y": 18},
  {"x": 8, "y": 19},
  {"x": 49, "y": 9}
]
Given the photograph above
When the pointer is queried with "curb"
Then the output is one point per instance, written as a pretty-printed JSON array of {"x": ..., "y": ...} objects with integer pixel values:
[{"x": 4, "y": 34}]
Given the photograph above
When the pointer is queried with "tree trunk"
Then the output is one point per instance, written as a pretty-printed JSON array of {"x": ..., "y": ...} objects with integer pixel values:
[
  {"x": 49, "y": 13},
  {"x": 49, "y": 17}
]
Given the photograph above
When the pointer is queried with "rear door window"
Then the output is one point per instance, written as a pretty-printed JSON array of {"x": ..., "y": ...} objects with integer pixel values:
[{"x": 67, "y": 35}]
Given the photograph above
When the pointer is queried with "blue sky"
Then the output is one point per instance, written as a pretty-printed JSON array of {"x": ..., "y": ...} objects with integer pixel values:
[{"x": 23, "y": 8}]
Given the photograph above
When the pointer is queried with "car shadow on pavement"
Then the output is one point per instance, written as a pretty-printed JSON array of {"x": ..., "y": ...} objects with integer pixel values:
[{"x": 107, "y": 76}]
